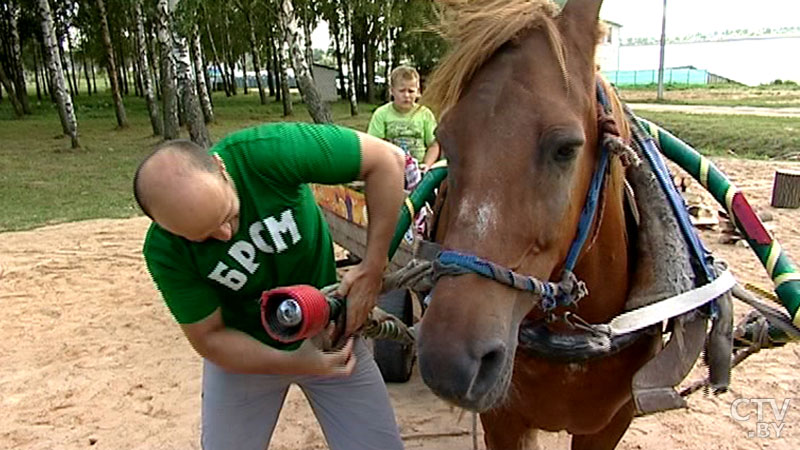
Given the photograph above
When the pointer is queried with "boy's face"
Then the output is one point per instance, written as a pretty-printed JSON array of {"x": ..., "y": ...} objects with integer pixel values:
[{"x": 404, "y": 94}]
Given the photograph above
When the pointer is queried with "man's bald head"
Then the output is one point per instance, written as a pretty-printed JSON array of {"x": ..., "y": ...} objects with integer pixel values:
[{"x": 170, "y": 164}]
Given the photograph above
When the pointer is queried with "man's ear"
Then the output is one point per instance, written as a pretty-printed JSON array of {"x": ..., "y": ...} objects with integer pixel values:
[{"x": 220, "y": 164}]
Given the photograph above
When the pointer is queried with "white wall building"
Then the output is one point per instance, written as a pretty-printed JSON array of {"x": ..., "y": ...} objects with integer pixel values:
[{"x": 607, "y": 56}]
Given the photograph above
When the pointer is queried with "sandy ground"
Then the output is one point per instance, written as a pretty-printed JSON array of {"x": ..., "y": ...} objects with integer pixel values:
[{"x": 90, "y": 357}]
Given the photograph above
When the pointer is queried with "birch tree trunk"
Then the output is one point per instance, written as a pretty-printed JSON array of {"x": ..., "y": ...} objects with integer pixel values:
[
  {"x": 144, "y": 65},
  {"x": 228, "y": 50},
  {"x": 388, "y": 66},
  {"x": 137, "y": 73},
  {"x": 122, "y": 119},
  {"x": 94, "y": 78},
  {"x": 45, "y": 66},
  {"x": 294, "y": 39},
  {"x": 123, "y": 71},
  {"x": 36, "y": 74},
  {"x": 86, "y": 74},
  {"x": 168, "y": 89},
  {"x": 244, "y": 72},
  {"x": 17, "y": 70},
  {"x": 201, "y": 72},
  {"x": 8, "y": 84},
  {"x": 52, "y": 61},
  {"x": 256, "y": 59},
  {"x": 72, "y": 65},
  {"x": 270, "y": 70},
  {"x": 286, "y": 95},
  {"x": 65, "y": 65},
  {"x": 369, "y": 56},
  {"x": 348, "y": 45},
  {"x": 188, "y": 86},
  {"x": 277, "y": 67},
  {"x": 337, "y": 37},
  {"x": 216, "y": 59},
  {"x": 308, "y": 49}
]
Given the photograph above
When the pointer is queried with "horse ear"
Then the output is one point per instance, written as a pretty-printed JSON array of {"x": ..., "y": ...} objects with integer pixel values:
[{"x": 583, "y": 13}]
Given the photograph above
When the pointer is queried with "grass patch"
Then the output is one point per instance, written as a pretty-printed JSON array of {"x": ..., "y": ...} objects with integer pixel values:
[
  {"x": 743, "y": 136},
  {"x": 768, "y": 96},
  {"x": 43, "y": 181}
]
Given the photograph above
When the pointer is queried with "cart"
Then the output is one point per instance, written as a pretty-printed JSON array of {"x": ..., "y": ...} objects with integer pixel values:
[{"x": 345, "y": 210}]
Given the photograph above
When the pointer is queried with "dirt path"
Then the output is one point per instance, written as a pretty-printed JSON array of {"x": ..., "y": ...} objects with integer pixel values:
[
  {"x": 90, "y": 357},
  {"x": 730, "y": 110}
]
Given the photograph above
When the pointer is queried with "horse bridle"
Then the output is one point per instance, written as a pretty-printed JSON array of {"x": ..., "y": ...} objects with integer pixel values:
[{"x": 569, "y": 290}]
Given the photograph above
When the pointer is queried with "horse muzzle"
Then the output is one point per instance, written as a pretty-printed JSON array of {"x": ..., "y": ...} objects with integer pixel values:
[{"x": 472, "y": 374}]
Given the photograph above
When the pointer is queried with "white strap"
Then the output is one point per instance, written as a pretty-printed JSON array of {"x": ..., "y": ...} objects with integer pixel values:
[{"x": 674, "y": 306}]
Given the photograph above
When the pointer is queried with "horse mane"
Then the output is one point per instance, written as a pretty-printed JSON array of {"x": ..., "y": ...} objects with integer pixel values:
[{"x": 476, "y": 29}]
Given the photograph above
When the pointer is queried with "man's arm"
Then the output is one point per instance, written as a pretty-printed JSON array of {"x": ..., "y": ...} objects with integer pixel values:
[
  {"x": 382, "y": 166},
  {"x": 238, "y": 352}
]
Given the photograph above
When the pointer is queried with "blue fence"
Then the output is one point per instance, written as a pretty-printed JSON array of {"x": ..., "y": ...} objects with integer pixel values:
[{"x": 671, "y": 76}]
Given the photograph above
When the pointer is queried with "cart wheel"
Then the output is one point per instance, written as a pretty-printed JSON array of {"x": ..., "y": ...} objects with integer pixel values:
[{"x": 395, "y": 359}]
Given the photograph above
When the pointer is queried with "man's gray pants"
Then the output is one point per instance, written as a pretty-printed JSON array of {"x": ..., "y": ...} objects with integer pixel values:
[{"x": 240, "y": 410}]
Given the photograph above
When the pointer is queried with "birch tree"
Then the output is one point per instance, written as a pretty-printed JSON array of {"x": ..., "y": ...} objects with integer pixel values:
[
  {"x": 348, "y": 45},
  {"x": 8, "y": 84},
  {"x": 188, "y": 85},
  {"x": 214, "y": 52},
  {"x": 247, "y": 10},
  {"x": 52, "y": 61},
  {"x": 201, "y": 72},
  {"x": 122, "y": 119},
  {"x": 169, "y": 97},
  {"x": 294, "y": 39},
  {"x": 283, "y": 65},
  {"x": 144, "y": 65},
  {"x": 17, "y": 70}
]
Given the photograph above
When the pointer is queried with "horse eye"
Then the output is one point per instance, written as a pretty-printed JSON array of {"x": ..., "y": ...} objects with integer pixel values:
[{"x": 566, "y": 153}]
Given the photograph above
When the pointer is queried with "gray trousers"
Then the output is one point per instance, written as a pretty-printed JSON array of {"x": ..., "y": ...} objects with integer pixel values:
[{"x": 240, "y": 410}]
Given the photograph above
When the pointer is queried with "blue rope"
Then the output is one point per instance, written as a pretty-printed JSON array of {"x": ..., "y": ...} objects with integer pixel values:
[
  {"x": 567, "y": 292},
  {"x": 589, "y": 210}
]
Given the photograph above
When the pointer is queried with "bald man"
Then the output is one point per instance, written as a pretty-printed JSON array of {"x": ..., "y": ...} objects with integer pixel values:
[{"x": 239, "y": 219}]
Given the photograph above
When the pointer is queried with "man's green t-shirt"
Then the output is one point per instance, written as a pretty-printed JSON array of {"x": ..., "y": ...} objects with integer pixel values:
[
  {"x": 282, "y": 238},
  {"x": 411, "y": 131}
]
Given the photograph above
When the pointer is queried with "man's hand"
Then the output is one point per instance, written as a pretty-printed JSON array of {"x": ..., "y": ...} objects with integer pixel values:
[
  {"x": 311, "y": 360},
  {"x": 241, "y": 353},
  {"x": 361, "y": 285}
]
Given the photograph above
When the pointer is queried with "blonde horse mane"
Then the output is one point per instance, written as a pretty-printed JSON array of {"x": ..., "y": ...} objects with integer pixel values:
[{"x": 476, "y": 29}]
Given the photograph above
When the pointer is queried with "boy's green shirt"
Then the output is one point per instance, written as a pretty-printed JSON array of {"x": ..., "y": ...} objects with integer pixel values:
[
  {"x": 412, "y": 131},
  {"x": 282, "y": 238}
]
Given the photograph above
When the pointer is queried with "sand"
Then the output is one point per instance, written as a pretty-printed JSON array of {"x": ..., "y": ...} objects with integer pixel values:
[{"x": 90, "y": 356}]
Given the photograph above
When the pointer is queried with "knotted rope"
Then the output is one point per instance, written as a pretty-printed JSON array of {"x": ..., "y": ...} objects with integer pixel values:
[
  {"x": 611, "y": 138},
  {"x": 566, "y": 292},
  {"x": 416, "y": 276}
]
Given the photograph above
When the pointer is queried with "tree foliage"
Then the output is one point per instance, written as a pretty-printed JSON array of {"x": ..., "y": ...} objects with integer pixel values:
[{"x": 382, "y": 34}]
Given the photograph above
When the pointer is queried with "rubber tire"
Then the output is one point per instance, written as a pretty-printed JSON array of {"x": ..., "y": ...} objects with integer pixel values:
[{"x": 396, "y": 360}]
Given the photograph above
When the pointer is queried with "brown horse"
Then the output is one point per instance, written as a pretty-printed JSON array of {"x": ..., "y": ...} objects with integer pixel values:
[{"x": 520, "y": 130}]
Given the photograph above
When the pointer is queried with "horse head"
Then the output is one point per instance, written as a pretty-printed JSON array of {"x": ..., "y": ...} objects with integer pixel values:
[{"x": 519, "y": 127}]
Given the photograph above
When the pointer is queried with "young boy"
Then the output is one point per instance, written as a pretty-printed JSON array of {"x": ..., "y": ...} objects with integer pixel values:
[{"x": 403, "y": 122}]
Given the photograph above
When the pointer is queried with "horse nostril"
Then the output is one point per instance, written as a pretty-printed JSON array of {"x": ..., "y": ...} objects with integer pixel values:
[
  {"x": 491, "y": 366},
  {"x": 493, "y": 358}
]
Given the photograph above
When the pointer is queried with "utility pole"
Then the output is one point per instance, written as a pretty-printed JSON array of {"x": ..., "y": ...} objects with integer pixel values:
[{"x": 661, "y": 58}]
